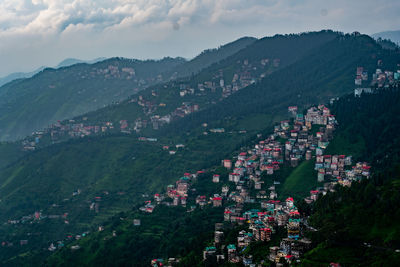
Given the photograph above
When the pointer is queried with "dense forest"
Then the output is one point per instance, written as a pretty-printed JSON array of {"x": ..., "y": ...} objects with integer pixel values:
[{"x": 359, "y": 225}]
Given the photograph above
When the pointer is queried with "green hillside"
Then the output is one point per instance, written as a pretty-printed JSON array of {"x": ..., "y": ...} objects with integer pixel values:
[
  {"x": 358, "y": 225},
  {"x": 31, "y": 104},
  {"x": 325, "y": 72},
  {"x": 288, "y": 49},
  {"x": 114, "y": 170},
  {"x": 211, "y": 56},
  {"x": 344, "y": 234},
  {"x": 55, "y": 94}
]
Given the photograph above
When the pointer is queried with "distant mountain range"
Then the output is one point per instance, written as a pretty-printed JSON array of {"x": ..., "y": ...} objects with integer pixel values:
[
  {"x": 394, "y": 36},
  {"x": 30, "y": 104},
  {"x": 65, "y": 63}
]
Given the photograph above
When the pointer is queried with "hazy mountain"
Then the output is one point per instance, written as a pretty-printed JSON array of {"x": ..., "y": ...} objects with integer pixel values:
[
  {"x": 72, "y": 61},
  {"x": 392, "y": 35},
  {"x": 56, "y": 94},
  {"x": 65, "y": 63},
  {"x": 211, "y": 56},
  {"x": 19, "y": 75},
  {"x": 77, "y": 87}
]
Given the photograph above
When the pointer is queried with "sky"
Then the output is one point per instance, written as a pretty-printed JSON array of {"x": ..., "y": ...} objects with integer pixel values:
[{"x": 35, "y": 33}]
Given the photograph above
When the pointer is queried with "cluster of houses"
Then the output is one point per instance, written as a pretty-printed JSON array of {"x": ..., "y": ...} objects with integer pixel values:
[
  {"x": 380, "y": 79},
  {"x": 246, "y": 74},
  {"x": 291, "y": 142},
  {"x": 305, "y": 137},
  {"x": 336, "y": 167},
  {"x": 156, "y": 121},
  {"x": 181, "y": 111},
  {"x": 261, "y": 224},
  {"x": 118, "y": 72},
  {"x": 39, "y": 217},
  {"x": 339, "y": 169},
  {"x": 68, "y": 129},
  {"x": 175, "y": 195}
]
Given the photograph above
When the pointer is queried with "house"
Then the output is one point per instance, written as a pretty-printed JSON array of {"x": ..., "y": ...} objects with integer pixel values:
[
  {"x": 232, "y": 254},
  {"x": 227, "y": 163},
  {"x": 244, "y": 238},
  {"x": 218, "y": 237},
  {"x": 308, "y": 155},
  {"x": 158, "y": 197},
  {"x": 201, "y": 200},
  {"x": 227, "y": 215},
  {"x": 209, "y": 253},
  {"x": 225, "y": 190},
  {"x": 216, "y": 178},
  {"x": 217, "y": 201},
  {"x": 183, "y": 200},
  {"x": 157, "y": 262},
  {"x": 273, "y": 253},
  {"x": 234, "y": 177},
  {"x": 289, "y": 202}
]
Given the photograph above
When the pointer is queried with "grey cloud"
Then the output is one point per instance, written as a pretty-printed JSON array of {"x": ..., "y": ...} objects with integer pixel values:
[{"x": 40, "y": 32}]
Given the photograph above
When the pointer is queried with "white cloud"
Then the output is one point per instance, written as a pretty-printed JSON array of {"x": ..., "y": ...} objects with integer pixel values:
[{"x": 49, "y": 30}]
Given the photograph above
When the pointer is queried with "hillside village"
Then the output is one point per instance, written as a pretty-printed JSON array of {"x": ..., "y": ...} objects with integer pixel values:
[
  {"x": 217, "y": 88},
  {"x": 245, "y": 186},
  {"x": 380, "y": 79},
  {"x": 154, "y": 116},
  {"x": 303, "y": 137}
]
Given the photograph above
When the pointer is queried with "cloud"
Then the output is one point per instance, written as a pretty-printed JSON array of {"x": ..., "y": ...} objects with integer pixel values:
[{"x": 49, "y": 30}]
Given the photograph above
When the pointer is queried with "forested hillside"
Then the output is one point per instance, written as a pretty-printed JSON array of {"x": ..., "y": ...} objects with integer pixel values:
[
  {"x": 55, "y": 94},
  {"x": 325, "y": 72},
  {"x": 353, "y": 225},
  {"x": 358, "y": 225},
  {"x": 89, "y": 181},
  {"x": 211, "y": 56}
]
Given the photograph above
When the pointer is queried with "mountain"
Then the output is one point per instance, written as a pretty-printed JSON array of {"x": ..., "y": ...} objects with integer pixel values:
[
  {"x": 257, "y": 62},
  {"x": 55, "y": 94},
  {"x": 391, "y": 35},
  {"x": 211, "y": 56},
  {"x": 113, "y": 170},
  {"x": 65, "y": 63},
  {"x": 72, "y": 61},
  {"x": 323, "y": 72},
  {"x": 75, "y": 92},
  {"x": 19, "y": 75}
]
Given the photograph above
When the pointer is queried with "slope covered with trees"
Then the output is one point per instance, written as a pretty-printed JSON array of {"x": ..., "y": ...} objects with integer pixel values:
[
  {"x": 211, "y": 56},
  {"x": 359, "y": 225},
  {"x": 126, "y": 168},
  {"x": 55, "y": 94}
]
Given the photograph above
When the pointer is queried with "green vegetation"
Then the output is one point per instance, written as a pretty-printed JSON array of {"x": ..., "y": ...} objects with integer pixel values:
[
  {"x": 55, "y": 94},
  {"x": 211, "y": 56},
  {"x": 168, "y": 232},
  {"x": 300, "y": 181},
  {"x": 358, "y": 225},
  {"x": 119, "y": 168}
]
